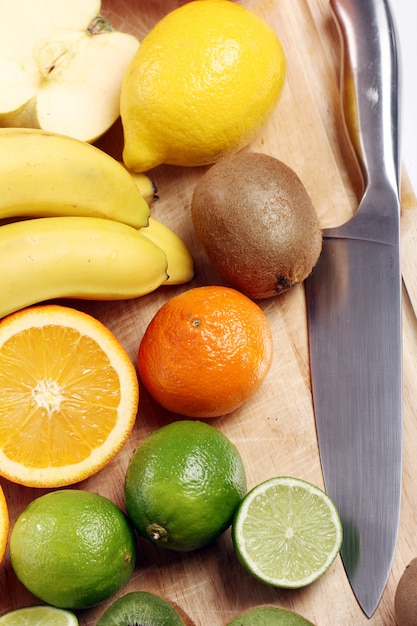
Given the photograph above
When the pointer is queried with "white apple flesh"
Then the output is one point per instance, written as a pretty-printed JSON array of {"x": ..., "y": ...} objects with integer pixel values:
[{"x": 61, "y": 66}]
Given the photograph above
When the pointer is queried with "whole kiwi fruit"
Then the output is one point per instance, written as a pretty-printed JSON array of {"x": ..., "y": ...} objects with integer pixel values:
[
  {"x": 405, "y": 601},
  {"x": 256, "y": 223},
  {"x": 142, "y": 608}
]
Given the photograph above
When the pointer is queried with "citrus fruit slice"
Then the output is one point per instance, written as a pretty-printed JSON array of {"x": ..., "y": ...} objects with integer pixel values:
[
  {"x": 72, "y": 548},
  {"x": 39, "y": 616},
  {"x": 183, "y": 485},
  {"x": 268, "y": 616},
  {"x": 205, "y": 352},
  {"x": 287, "y": 532},
  {"x": 4, "y": 524},
  {"x": 68, "y": 396},
  {"x": 144, "y": 608}
]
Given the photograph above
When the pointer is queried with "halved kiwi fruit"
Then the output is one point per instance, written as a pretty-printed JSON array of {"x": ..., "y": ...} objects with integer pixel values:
[{"x": 141, "y": 608}]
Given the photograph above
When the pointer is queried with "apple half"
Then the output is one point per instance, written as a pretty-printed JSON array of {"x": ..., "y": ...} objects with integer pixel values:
[{"x": 61, "y": 66}]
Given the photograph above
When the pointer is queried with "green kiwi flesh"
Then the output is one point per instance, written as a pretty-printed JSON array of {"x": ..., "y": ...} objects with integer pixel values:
[
  {"x": 141, "y": 608},
  {"x": 269, "y": 616},
  {"x": 257, "y": 224}
]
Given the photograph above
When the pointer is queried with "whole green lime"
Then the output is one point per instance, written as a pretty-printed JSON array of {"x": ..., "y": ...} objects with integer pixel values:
[
  {"x": 183, "y": 485},
  {"x": 73, "y": 548}
]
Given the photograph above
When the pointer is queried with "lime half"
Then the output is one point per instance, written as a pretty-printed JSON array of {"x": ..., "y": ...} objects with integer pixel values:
[
  {"x": 269, "y": 616},
  {"x": 287, "y": 532},
  {"x": 39, "y": 616}
]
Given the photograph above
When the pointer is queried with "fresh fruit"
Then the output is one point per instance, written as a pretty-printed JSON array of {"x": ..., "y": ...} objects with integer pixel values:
[
  {"x": 44, "y": 174},
  {"x": 205, "y": 352},
  {"x": 72, "y": 548},
  {"x": 143, "y": 609},
  {"x": 146, "y": 185},
  {"x": 268, "y": 616},
  {"x": 257, "y": 224},
  {"x": 4, "y": 524},
  {"x": 183, "y": 485},
  {"x": 76, "y": 257},
  {"x": 227, "y": 78},
  {"x": 180, "y": 262},
  {"x": 62, "y": 67},
  {"x": 39, "y": 616},
  {"x": 68, "y": 396},
  {"x": 287, "y": 532},
  {"x": 405, "y": 599}
]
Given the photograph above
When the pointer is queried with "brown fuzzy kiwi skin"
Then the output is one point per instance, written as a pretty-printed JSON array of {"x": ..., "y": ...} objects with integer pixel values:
[
  {"x": 405, "y": 600},
  {"x": 256, "y": 223}
]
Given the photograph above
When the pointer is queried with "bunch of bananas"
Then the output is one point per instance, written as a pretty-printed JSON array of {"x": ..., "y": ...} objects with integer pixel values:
[{"x": 76, "y": 224}]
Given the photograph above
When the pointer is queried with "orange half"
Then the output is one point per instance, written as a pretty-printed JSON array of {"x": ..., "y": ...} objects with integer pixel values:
[
  {"x": 4, "y": 524},
  {"x": 68, "y": 396}
]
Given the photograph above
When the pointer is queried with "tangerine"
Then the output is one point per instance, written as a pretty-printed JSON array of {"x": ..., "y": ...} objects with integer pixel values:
[{"x": 205, "y": 352}]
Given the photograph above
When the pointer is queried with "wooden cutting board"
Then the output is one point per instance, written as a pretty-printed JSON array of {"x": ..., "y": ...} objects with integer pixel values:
[{"x": 275, "y": 430}]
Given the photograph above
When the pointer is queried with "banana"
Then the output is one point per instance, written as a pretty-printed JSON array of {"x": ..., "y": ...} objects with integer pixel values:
[
  {"x": 75, "y": 257},
  {"x": 146, "y": 186},
  {"x": 180, "y": 261},
  {"x": 44, "y": 174}
]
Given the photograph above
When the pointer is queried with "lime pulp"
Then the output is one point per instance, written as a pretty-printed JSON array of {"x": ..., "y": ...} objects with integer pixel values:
[
  {"x": 39, "y": 616},
  {"x": 287, "y": 532}
]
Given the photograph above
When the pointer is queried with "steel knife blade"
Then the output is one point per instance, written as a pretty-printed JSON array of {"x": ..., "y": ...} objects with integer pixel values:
[{"x": 353, "y": 301}]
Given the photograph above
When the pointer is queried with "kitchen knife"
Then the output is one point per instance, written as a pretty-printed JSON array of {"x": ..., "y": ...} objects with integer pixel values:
[{"x": 354, "y": 312}]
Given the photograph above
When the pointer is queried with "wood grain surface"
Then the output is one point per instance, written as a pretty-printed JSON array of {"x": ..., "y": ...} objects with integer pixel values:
[{"x": 275, "y": 430}]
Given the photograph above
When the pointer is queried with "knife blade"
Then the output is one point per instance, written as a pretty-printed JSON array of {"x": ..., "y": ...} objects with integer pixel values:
[{"x": 353, "y": 301}]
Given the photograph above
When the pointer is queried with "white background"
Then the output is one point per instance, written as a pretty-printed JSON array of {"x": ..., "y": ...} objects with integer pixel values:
[{"x": 405, "y": 13}]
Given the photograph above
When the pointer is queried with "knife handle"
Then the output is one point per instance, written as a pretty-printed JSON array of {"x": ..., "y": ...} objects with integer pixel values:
[{"x": 370, "y": 88}]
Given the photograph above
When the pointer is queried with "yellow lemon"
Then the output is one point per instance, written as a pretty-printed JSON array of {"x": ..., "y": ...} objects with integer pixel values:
[{"x": 203, "y": 83}]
